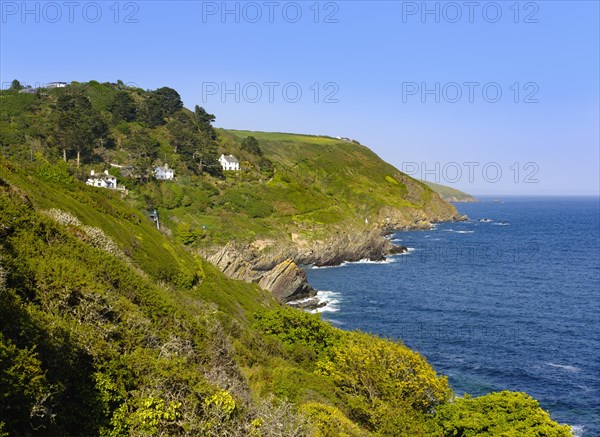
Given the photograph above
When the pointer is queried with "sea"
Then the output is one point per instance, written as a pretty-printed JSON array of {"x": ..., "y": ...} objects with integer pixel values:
[{"x": 508, "y": 300}]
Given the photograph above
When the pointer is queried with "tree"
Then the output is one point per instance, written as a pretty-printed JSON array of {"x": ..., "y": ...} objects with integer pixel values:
[
  {"x": 162, "y": 103},
  {"x": 251, "y": 145},
  {"x": 78, "y": 124},
  {"x": 194, "y": 143},
  {"x": 143, "y": 150},
  {"x": 123, "y": 107},
  {"x": 204, "y": 122},
  {"x": 16, "y": 85},
  {"x": 170, "y": 100}
]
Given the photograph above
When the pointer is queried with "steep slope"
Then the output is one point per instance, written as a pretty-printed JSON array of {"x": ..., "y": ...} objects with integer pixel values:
[
  {"x": 332, "y": 201},
  {"x": 98, "y": 338},
  {"x": 296, "y": 197}
]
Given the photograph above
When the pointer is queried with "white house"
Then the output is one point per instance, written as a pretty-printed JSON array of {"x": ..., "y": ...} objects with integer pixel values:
[
  {"x": 229, "y": 162},
  {"x": 164, "y": 173},
  {"x": 56, "y": 85},
  {"x": 105, "y": 180}
]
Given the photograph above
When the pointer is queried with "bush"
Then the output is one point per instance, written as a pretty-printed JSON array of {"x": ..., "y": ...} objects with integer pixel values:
[
  {"x": 504, "y": 413},
  {"x": 24, "y": 390},
  {"x": 58, "y": 172},
  {"x": 330, "y": 421},
  {"x": 294, "y": 327},
  {"x": 383, "y": 380}
]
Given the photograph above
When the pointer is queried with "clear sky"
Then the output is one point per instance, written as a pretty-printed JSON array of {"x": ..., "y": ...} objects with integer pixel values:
[{"x": 417, "y": 82}]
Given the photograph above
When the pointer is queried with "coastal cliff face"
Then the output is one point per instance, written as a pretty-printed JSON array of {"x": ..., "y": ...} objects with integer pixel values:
[
  {"x": 274, "y": 264},
  {"x": 328, "y": 202}
]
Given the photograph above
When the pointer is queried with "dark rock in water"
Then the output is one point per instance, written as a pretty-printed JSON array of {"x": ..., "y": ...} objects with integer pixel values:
[
  {"x": 397, "y": 249},
  {"x": 311, "y": 303}
]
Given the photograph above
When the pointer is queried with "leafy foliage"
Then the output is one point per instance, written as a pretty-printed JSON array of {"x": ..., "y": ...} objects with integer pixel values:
[
  {"x": 293, "y": 327},
  {"x": 78, "y": 124},
  {"x": 496, "y": 414},
  {"x": 162, "y": 103},
  {"x": 384, "y": 381},
  {"x": 123, "y": 107},
  {"x": 251, "y": 145}
]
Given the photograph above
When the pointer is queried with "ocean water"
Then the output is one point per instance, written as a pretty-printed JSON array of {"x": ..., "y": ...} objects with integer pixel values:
[{"x": 509, "y": 300}]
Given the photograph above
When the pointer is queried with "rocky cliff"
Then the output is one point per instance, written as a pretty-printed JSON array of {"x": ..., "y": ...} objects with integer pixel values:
[{"x": 275, "y": 264}]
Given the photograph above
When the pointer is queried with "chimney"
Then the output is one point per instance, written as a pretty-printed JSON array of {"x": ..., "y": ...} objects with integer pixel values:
[{"x": 92, "y": 173}]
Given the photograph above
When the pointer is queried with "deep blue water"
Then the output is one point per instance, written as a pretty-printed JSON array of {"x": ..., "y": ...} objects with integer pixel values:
[{"x": 513, "y": 303}]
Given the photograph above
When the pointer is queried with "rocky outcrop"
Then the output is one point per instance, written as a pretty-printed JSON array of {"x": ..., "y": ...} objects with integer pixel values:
[
  {"x": 275, "y": 264},
  {"x": 287, "y": 282}
]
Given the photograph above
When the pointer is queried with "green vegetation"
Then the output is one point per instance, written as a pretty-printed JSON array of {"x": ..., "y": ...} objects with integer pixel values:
[
  {"x": 111, "y": 327},
  {"x": 310, "y": 186},
  {"x": 450, "y": 194},
  {"x": 503, "y": 413}
]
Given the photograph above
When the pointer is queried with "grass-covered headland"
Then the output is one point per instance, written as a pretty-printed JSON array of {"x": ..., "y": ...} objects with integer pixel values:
[{"x": 109, "y": 326}]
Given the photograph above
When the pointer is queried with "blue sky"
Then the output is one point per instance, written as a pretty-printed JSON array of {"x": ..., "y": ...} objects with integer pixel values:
[{"x": 379, "y": 68}]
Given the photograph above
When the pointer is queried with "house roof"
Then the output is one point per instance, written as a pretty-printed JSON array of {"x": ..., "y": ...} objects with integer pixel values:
[{"x": 230, "y": 159}]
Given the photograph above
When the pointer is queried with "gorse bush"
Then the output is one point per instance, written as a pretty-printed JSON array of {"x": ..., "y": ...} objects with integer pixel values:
[
  {"x": 293, "y": 328},
  {"x": 504, "y": 413}
]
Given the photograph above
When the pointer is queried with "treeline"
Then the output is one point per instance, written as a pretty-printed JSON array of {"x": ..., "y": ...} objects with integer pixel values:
[{"x": 93, "y": 123}]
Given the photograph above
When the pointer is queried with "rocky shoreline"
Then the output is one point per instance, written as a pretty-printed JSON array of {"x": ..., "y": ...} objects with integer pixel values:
[{"x": 275, "y": 265}]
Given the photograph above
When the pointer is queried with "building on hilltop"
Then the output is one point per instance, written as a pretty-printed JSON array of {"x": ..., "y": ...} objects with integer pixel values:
[
  {"x": 105, "y": 180},
  {"x": 56, "y": 85},
  {"x": 164, "y": 173},
  {"x": 229, "y": 162}
]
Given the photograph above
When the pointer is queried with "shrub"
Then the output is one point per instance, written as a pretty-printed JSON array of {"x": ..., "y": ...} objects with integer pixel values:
[
  {"x": 294, "y": 327},
  {"x": 503, "y": 413},
  {"x": 382, "y": 379},
  {"x": 330, "y": 421}
]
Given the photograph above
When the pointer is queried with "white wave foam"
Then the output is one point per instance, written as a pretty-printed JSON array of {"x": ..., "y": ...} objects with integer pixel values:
[
  {"x": 326, "y": 267},
  {"x": 408, "y": 251},
  {"x": 465, "y": 232},
  {"x": 331, "y": 299},
  {"x": 578, "y": 430},
  {"x": 502, "y": 224},
  {"x": 388, "y": 260},
  {"x": 566, "y": 367}
]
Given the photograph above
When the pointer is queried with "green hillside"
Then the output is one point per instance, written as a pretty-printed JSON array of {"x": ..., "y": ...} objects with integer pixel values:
[
  {"x": 312, "y": 186},
  {"x": 109, "y": 327},
  {"x": 450, "y": 194},
  {"x": 112, "y": 327}
]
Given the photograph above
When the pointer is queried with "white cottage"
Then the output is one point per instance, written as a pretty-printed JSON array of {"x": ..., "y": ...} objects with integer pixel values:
[
  {"x": 229, "y": 162},
  {"x": 164, "y": 173},
  {"x": 56, "y": 85},
  {"x": 105, "y": 180}
]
